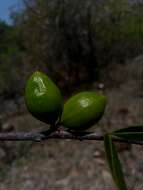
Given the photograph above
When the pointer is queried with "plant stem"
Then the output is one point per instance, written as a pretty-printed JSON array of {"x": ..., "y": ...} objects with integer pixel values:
[{"x": 59, "y": 134}]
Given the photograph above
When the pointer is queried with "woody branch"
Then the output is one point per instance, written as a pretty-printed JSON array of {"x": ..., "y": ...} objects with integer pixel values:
[{"x": 59, "y": 134}]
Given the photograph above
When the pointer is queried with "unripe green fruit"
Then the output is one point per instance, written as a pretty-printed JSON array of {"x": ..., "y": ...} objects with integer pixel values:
[
  {"x": 83, "y": 110},
  {"x": 43, "y": 98}
]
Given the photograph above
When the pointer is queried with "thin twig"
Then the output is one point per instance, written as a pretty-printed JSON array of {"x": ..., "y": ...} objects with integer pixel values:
[{"x": 59, "y": 134}]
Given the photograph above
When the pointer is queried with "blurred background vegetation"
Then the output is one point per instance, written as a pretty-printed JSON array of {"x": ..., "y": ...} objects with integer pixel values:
[
  {"x": 73, "y": 41},
  {"x": 81, "y": 45}
]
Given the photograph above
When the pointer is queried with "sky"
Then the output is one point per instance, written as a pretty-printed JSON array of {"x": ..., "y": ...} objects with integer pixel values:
[{"x": 5, "y": 6}]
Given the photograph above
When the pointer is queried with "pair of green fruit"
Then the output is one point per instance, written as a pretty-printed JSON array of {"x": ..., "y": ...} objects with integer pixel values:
[{"x": 45, "y": 102}]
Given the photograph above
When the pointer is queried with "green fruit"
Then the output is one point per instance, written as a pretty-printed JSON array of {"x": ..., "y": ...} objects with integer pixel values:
[
  {"x": 83, "y": 110},
  {"x": 43, "y": 98}
]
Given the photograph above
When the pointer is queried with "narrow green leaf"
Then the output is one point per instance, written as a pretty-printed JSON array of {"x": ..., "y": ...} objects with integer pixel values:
[
  {"x": 114, "y": 163},
  {"x": 131, "y": 133}
]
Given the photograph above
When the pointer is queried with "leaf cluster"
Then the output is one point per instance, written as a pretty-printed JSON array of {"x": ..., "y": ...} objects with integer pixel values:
[{"x": 130, "y": 134}]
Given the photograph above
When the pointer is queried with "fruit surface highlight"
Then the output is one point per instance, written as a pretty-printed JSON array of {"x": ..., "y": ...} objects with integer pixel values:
[
  {"x": 43, "y": 98},
  {"x": 83, "y": 110}
]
